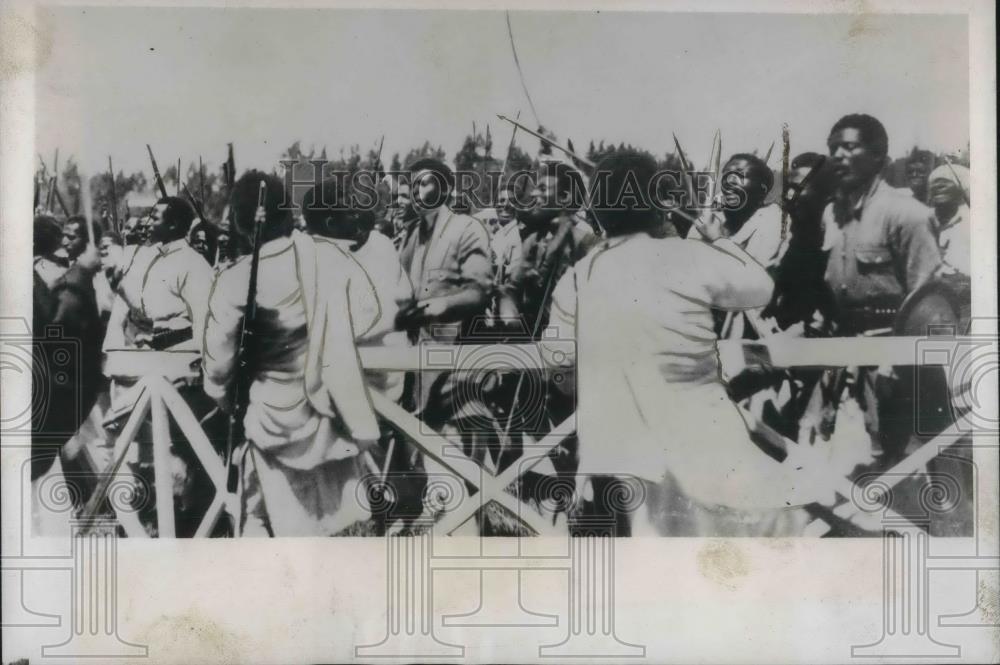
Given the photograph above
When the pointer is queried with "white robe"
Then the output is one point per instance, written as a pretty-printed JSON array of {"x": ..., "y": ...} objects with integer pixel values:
[{"x": 651, "y": 403}]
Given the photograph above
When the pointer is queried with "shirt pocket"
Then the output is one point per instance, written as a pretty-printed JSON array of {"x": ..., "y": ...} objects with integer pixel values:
[{"x": 873, "y": 259}]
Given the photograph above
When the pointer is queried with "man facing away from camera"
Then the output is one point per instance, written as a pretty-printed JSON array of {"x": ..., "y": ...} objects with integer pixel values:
[
  {"x": 651, "y": 406},
  {"x": 308, "y": 420}
]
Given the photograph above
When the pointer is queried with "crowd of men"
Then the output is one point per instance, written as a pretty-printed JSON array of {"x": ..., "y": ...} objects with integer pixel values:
[{"x": 641, "y": 293}]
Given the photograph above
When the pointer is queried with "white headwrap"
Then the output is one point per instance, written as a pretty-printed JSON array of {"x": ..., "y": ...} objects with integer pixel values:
[{"x": 956, "y": 173}]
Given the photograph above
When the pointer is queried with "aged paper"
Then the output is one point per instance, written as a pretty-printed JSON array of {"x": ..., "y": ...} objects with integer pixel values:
[{"x": 645, "y": 331}]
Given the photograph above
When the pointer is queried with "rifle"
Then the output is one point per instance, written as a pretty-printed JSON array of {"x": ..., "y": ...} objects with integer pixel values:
[
  {"x": 194, "y": 203},
  {"x": 201, "y": 179},
  {"x": 114, "y": 199},
  {"x": 241, "y": 387},
  {"x": 156, "y": 173},
  {"x": 230, "y": 169},
  {"x": 59, "y": 198}
]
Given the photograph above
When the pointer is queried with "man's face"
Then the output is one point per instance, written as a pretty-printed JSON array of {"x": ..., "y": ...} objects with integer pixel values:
[
  {"x": 739, "y": 187},
  {"x": 104, "y": 247},
  {"x": 74, "y": 239},
  {"x": 943, "y": 192},
  {"x": 505, "y": 208},
  {"x": 916, "y": 176},
  {"x": 401, "y": 206},
  {"x": 545, "y": 202},
  {"x": 854, "y": 163},
  {"x": 199, "y": 242},
  {"x": 160, "y": 229},
  {"x": 429, "y": 190}
]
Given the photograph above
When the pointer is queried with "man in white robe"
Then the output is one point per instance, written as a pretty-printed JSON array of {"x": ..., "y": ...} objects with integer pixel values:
[
  {"x": 651, "y": 405},
  {"x": 309, "y": 420}
]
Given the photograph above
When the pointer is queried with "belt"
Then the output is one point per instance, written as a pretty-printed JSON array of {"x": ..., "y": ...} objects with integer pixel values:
[
  {"x": 155, "y": 338},
  {"x": 857, "y": 319}
]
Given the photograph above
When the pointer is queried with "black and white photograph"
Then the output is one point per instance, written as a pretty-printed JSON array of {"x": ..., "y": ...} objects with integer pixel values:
[{"x": 402, "y": 277}]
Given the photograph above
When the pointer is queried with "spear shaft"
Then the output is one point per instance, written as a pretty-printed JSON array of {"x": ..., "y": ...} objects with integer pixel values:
[{"x": 567, "y": 151}]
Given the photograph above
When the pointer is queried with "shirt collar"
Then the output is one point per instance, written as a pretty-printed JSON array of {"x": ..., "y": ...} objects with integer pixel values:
[
  {"x": 867, "y": 196},
  {"x": 960, "y": 216},
  {"x": 428, "y": 222},
  {"x": 170, "y": 247}
]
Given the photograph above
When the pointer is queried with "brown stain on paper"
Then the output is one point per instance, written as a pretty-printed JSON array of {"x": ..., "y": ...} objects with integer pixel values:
[
  {"x": 988, "y": 599},
  {"x": 723, "y": 563},
  {"x": 192, "y": 634}
]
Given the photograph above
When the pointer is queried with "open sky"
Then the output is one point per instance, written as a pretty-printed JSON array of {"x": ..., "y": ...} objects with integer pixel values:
[{"x": 190, "y": 80}]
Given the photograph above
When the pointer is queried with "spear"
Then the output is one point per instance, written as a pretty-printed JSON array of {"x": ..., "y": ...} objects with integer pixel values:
[
  {"x": 582, "y": 160},
  {"x": 156, "y": 173},
  {"x": 510, "y": 146},
  {"x": 114, "y": 198},
  {"x": 520, "y": 73},
  {"x": 377, "y": 166},
  {"x": 688, "y": 183},
  {"x": 767, "y": 157},
  {"x": 715, "y": 162}
]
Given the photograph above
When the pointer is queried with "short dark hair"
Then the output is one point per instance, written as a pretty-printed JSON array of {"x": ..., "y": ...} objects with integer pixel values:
[
  {"x": 872, "y": 131},
  {"x": 621, "y": 167},
  {"x": 435, "y": 166},
  {"x": 47, "y": 235},
  {"x": 178, "y": 212},
  {"x": 278, "y": 220},
  {"x": 918, "y": 156},
  {"x": 568, "y": 180},
  {"x": 331, "y": 209},
  {"x": 758, "y": 169},
  {"x": 82, "y": 221},
  {"x": 211, "y": 235}
]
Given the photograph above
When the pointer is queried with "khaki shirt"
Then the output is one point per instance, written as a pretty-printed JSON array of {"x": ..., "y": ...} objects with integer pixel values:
[
  {"x": 165, "y": 287},
  {"x": 881, "y": 249},
  {"x": 444, "y": 255}
]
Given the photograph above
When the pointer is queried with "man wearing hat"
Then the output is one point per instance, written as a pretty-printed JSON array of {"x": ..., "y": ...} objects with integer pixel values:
[{"x": 950, "y": 197}]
